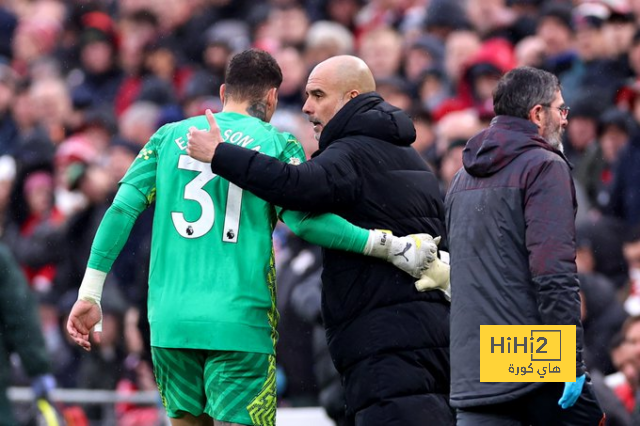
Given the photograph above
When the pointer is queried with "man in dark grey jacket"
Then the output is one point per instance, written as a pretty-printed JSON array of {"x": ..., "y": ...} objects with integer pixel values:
[
  {"x": 510, "y": 218},
  {"x": 388, "y": 341}
]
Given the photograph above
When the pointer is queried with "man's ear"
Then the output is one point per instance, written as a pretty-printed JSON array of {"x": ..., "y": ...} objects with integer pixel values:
[
  {"x": 222, "y": 91},
  {"x": 272, "y": 96},
  {"x": 353, "y": 94},
  {"x": 535, "y": 115}
]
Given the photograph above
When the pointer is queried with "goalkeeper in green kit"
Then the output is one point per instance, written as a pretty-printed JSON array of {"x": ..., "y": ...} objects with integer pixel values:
[{"x": 212, "y": 293}]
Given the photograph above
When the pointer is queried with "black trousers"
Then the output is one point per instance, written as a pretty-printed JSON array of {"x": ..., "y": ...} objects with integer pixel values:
[
  {"x": 539, "y": 408},
  {"x": 409, "y": 388}
]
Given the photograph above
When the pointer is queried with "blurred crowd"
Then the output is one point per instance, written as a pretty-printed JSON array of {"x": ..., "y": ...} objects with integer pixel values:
[{"x": 85, "y": 83}]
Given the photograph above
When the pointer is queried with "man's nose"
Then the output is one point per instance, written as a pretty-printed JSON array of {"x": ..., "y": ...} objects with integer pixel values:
[{"x": 306, "y": 108}]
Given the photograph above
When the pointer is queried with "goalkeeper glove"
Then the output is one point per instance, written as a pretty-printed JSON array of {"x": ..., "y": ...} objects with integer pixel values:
[
  {"x": 436, "y": 276},
  {"x": 410, "y": 253}
]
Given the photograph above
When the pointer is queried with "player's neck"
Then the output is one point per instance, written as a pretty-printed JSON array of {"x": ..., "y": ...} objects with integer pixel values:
[
  {"x": 239, "y": 108},
  {"x": 247, "y": 108}
]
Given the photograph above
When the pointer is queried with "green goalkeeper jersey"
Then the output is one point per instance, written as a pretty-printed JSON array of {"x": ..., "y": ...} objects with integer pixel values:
[{"x": 212, "y": 275}]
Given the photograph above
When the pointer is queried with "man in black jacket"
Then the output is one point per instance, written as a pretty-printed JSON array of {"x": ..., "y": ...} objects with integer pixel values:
[
  {"x": 510, "y": 217},
  {"x": 388, "y": 341}
]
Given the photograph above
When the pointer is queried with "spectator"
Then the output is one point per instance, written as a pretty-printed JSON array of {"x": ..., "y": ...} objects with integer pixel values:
[
  {"x": 324, "y": 40},
  {"x": 8, "y": 127},
  {"x": 7, "y": 178},
  {"x": 396, "y": 91},
  {"x": 381, "y": 50},
  {"x": 479, "y": 78},
  {"x": 493, "y": 18},
  {"x": 631, "y": 250},
  {"x": 530, "y": 52},
  {"x": 624, "y": 200},
  {"x": 137, "y": 29},
  {"x": 293, "y": 74},
  {"x": 556, "y": 29},
  {"x": 451, "y": 163},
  {"x": 616, "y": 130},
  {"x": 432, "y": 89},
  {"x": 631, "y": 332},
  {"x": 444, "y": 17},
  {"x": 625, "y": 382},
  {"x": 582, "y": 147},
  {"x": 42, "y": 212},
  {"x": 599, "y": 68},
  {"x": 427, "y": 52},
  {"x": 459, "y": 47},
  {"x": 602, "y": 238},
  {"x": 98, "y": 78}
]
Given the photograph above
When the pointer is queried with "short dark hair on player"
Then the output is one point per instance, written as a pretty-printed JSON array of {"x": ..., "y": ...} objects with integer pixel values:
[{"x": 251, "y": 74}]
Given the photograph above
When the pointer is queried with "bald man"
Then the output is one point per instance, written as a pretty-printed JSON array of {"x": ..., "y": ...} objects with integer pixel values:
[{"x": 389, "y": 342}]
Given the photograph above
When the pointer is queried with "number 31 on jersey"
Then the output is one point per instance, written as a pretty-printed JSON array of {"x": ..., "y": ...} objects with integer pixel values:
[{"x": 194, "y": 191}]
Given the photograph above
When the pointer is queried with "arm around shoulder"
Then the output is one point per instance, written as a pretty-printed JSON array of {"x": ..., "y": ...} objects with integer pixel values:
[{"x": 318, "y": 185}]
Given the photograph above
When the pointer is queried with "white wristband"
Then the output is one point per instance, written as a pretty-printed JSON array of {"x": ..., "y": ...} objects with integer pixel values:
[
  {"x": 378, "y": 243},
  {"x": 91, "y": 287}
]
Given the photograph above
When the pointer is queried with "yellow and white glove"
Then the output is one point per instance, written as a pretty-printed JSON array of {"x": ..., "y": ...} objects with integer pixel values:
[
  {"x": 412, "y": 253},
  {"x": 436, "y": 276}
]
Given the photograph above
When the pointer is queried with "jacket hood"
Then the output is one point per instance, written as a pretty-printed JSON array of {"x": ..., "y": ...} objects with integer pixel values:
[
  {"x": 502, "y": 142},
  {"x": 369, "y": 115}
]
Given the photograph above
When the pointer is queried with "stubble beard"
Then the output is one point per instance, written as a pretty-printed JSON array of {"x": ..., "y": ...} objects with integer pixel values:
[{"x": 553, "y": 135}]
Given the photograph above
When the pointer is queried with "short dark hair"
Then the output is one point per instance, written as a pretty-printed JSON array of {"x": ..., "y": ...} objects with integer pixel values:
[
  {"x": 251, "y": 74},
  {"x": 521, "y": 89}
]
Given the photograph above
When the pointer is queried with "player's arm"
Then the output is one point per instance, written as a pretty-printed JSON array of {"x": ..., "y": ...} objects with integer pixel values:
[
  {"x": 111, "y": 236},
  {"x": 411, "y": 253},
  {"x": 136, "y": 192},
  {"x": 320, "y": 185}
]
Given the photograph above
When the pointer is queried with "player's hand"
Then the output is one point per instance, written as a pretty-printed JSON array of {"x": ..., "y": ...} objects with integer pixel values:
[
  {"x": 83, "y": 317},
  {"x": 572, "y": 391},
  {"x": 202, "y": 144},
  {"x": 411, "y": 253},
  {"x": 436, "y": 275}
]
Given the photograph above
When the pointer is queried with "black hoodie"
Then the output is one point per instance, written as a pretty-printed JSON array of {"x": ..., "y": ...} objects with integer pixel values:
[
  {"x": 510, "y": 218},
  {"x": 366, "y": 172}
]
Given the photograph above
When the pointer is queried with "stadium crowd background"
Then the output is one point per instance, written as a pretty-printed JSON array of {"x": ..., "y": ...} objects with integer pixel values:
[{"x": 84, "y": 84}]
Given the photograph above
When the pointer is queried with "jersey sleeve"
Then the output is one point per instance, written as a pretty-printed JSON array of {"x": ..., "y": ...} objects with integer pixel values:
[
  {"x": 292, "y": 152},
  {"x": 115, "y": 227},
  {"x": 326, "y": 230},
  {"x": 142, "y": 172}
]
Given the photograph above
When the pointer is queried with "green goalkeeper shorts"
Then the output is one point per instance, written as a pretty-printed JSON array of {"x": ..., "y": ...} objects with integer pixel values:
[{"x": 236, "y": 387}]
